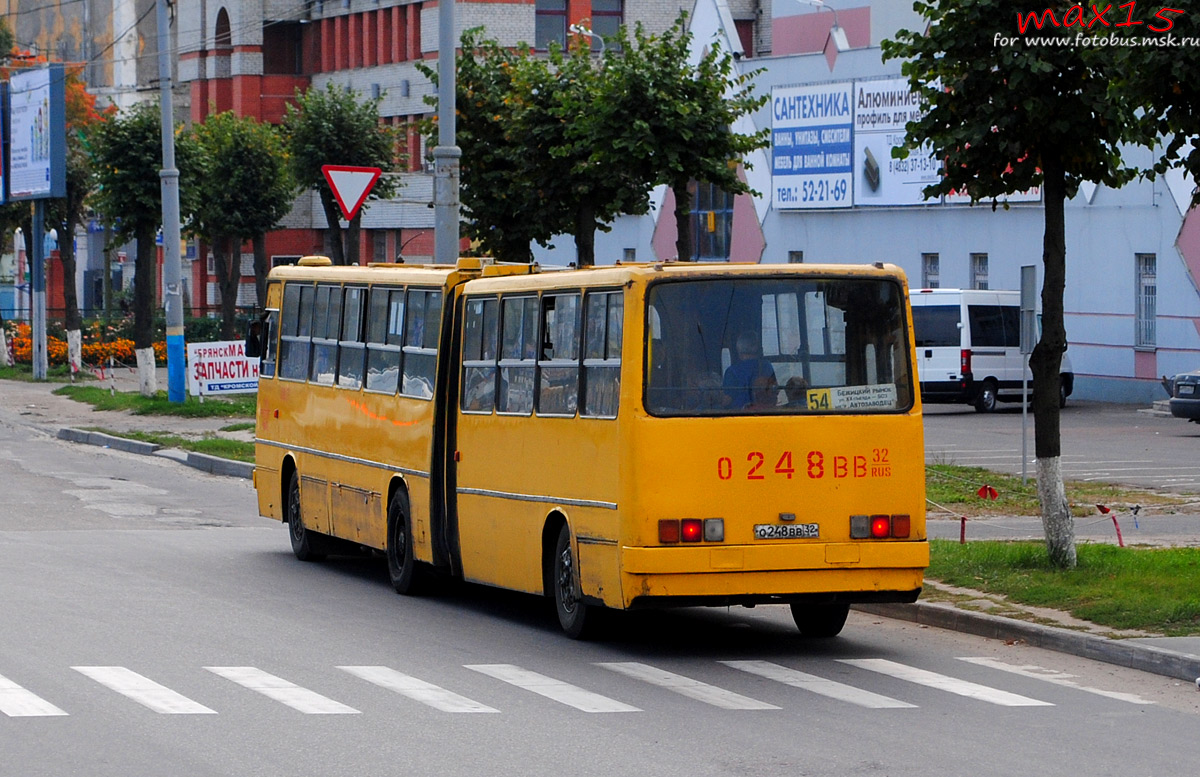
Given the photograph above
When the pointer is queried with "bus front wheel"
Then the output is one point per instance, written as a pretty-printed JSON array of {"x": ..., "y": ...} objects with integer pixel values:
[
  {"x": 306, "y": 544},
  {"x": 576, "y": 618},
  {"x": 820, "y": 620},
  {"x": 402, "y": 566}
]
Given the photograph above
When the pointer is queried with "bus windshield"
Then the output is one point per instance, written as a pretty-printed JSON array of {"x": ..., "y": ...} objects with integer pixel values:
[{"x": 751, "y": 346}]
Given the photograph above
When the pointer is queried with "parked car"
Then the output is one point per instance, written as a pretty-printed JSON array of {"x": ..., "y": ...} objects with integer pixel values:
[{"x": 1185, "y": 396}]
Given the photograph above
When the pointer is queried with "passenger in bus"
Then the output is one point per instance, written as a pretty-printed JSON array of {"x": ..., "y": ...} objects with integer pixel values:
[
  {"x": 739, "y": 382},
  {"x": 796, "y": 389}
]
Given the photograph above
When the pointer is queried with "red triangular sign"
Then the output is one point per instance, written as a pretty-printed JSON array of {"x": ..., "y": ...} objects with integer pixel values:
[{"x": 350, "y": 186}]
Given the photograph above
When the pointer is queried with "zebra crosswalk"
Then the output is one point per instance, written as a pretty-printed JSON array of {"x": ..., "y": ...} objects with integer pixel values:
[{"x": 785, "y": 687}]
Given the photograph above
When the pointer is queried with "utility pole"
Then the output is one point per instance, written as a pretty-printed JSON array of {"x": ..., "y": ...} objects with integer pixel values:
[
  {"x": 446, "y": 154},
  {"x": 172, "y": 272}
]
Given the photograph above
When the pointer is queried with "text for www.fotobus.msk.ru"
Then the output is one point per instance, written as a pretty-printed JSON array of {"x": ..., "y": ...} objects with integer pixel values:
[{"x": 1090, "y": 20}]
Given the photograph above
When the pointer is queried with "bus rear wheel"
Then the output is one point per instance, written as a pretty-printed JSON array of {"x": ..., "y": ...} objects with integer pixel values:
[
  {"x": 404, "y": 570},
  {"x": 576, "y": 618},
  {"x": 306, "y": 544},
  {"x": 820, "y": 621}
]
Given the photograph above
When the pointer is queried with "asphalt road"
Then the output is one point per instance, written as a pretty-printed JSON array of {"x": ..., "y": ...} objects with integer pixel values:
[
  {"x": 1100, "y": 442},
  {"x": 153, "y": 624}
]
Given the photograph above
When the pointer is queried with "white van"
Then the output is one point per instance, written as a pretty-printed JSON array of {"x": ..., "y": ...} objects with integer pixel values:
[{"x": 969, "y": 347}]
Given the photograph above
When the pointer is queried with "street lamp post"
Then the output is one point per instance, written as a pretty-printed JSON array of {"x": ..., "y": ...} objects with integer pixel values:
[
  {"x": 836, "y": 32},
  {"x": 579, "y": 29}
]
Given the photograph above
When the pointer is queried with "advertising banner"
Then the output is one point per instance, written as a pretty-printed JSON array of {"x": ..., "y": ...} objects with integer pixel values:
[
  {"x": 812, "y": 146},
  {"x": 881, "y": 109},
  {"x": 37, "y": 134},
  {"x": 220, "y": 368}
]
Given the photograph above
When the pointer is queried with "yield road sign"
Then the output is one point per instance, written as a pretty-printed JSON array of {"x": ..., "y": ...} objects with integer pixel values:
[{"x": 350, "y": 186}]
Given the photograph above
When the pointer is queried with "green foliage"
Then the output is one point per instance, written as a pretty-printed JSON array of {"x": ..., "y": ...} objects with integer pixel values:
[
  {"x": 566, "y": 142},
  {"x": 7, "y": 41},
  {"x": 126, "y": 152},
  {"x": 209, "y": 444},
  {"x": 1154, "y": 589},
  {"x": 245, "y": 185},
  {"x": 1001, "y": 122}
]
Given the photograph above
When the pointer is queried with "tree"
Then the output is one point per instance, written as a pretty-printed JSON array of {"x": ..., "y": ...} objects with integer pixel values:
[
  {"x": 567, "y": 142},
  {"x": 1022, "y": 116},
  {"x": 126, "y": 152},
  {"x": 243, "y": 190},
  {"x": 681, "y": 116},
  {"x": 331, "y": 127},
  {"x": 68, "y": 212}
]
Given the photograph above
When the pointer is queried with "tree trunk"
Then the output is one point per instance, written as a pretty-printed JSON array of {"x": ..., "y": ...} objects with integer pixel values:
[
  {"x": 683, "y": 222},
  {"x": 353, "y": 231},
  {"x": 1046, "y": 363},
  {"x": 228, "y": 269},
  {"x": 261, "y": 269},
  {"x": 332, "y": 216},
  {"x": 144, "y": 283},
  {"x": 73, "y": 322},
  {"x": 585, "y": 235}
]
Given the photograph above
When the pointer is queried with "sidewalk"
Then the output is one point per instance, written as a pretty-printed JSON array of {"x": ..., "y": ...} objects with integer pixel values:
[{"x": 962, "y": 610}]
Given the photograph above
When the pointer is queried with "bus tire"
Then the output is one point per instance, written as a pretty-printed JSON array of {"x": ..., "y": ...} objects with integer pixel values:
[
  {"x": 403, "y": 568},
  {"x": 306, "y": 544},
  {"x": 576, "y": 618},
  {"x": 820, "y": 621},
  {"x": 985, "y": 400}
]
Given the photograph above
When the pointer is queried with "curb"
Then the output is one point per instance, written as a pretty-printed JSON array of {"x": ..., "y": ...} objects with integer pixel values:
[
  {"x": 1146, "y": 658},
  {"x": 107, "y": 441},
  {"x": 219, "y": 466},
  {"x": 202, "y": 461}
]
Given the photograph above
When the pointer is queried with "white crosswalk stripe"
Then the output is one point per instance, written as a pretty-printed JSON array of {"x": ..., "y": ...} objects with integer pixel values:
[
  {"x": 819, "y": 685},
  {"x": 557, "y": 690},
  {"x": 1054, "y": 676},
  {"x": 143, "y": 690},
  {"x": 686, "y": 686},
  {"x": 416, "y": 689},
  {"x": 16, "y": 702},
  {"x": 283, "y": 691},
  {"x": 944, "y": 683}
]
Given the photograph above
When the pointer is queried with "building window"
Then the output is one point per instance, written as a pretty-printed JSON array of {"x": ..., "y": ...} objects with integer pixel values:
[
  {"x": 379, "y": 252},
  {"x": 607, "y": 18},
  {"x": 550, "y": 23},
  {"x": 979, "y": 271},
  {"x": 629, "y": 255},
  {"x": 712, "y": 222},
  {"x": 795, "y": 257},
  {"x": 930, "y": 272},
  {"x": 1147, "y": 298}
]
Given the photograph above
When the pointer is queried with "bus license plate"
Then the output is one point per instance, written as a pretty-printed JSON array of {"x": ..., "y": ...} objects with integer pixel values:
[{"x": 785, "y": 531}]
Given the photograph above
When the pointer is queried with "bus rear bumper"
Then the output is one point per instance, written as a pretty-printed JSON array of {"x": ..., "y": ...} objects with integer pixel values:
[{"x": 760, "y": 574}]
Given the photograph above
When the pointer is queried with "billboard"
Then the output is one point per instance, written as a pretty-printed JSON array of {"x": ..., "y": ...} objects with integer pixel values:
[
  {"x": 881, "y": 109},
  {"x": 811, "y": 146},
  {"x": 37, "y": 150}
]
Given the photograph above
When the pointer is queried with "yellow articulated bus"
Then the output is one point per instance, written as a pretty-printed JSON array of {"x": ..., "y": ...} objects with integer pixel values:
[{"x": 640, "y": 435}]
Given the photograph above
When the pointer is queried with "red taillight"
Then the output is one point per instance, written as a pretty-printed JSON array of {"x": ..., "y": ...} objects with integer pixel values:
[
  {"x": 881, "y": 526},
  {"x": 668, "y": 531},
  {"x": 964, "y": 361},
  {"x": 900, "y": 526},
  {"x": 693, "y": 530}
]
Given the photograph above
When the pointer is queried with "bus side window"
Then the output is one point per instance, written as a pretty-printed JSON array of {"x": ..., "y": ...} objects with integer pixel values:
[
  {"x": 480, "y": 335},
  {"x": 420, "y": 343},
  {"x": 296, "y": 328},
  {"x": 602, "y": 354},
  {"x": 558, "y": 385},
  {"x": 327, "y": 322},
  {"x": 385, "y": 336},
  {"x": 518, "y": 354},
  {"x": 350, "y": 344}
]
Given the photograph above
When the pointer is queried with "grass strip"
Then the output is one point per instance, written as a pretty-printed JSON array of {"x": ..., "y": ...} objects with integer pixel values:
[
  {"x": 24, "y": 372},
  {"x": 209, "y": 444},
  {"x": 237, "y": 406},
  {"x": 956, "y": 488},
  {"x": 1152, "y": 589}
]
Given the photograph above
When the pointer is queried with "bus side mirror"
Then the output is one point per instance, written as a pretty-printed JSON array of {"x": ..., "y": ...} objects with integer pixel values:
[{"x": 254, "y": 331}]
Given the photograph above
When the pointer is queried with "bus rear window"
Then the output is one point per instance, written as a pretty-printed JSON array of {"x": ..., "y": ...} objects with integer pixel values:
[{"x": 753, "y": 346}]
